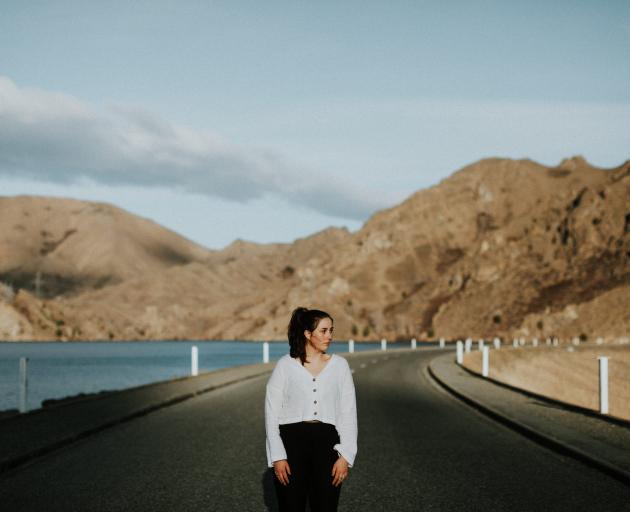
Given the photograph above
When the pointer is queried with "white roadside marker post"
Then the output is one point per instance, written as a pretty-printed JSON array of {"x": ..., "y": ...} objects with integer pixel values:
[
  {"x": 497, "y": 343},
  {"x": 265, "y": 352},
  {"x": 442, "y": 342},
  {"x": 467, "y": 345},
  {"x": 603, "y": 385},
  {"x": 515, "y": 343},
  {"x": 480, "y": 344},
  {"x": 194, "y": 361},
  {"x": 413, "y": 343},
  {"x": 351, "y": 346},
  {"x": 485, "y": 356},
  {"x": 460, "y": 353},
  {"x": 23, "y": 382},
  {"x": 548, "y": 341},
  {"x": 535, "y": 342},
  {"x": 383, "y": 344},
  {"x": 599, "y": 340}
]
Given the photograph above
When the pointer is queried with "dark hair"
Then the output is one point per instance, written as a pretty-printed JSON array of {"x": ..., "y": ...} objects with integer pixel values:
[{"x": 303, "y": 319}]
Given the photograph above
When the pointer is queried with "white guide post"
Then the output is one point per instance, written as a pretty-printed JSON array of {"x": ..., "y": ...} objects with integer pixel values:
[
  {"x": 497, "y": 343},
  {"x": 480, "y": 344},
  {"x": 555, "y": 342},
  {"x": 351, "y": 346},
  {"x": 548, "y": 341},
  {"x": 194, "y": 361},
  {"x": 265, "y": 351},
  {"x": 383, "y": 344},
  {"x": 603, "y": 385},
  {"x": 23, "y": 381},
  {"x": 460, "y": 352},
  {"x": 599, "y": 340},
  {"x": 515, "y": 342},
  {"x": 413, "y": 343},
  {"x": 485, "y": 356},
  {"x": 442, "y": 342},
  {"x": 535, "y": 342},
  {"x": 467, "y": 345}
]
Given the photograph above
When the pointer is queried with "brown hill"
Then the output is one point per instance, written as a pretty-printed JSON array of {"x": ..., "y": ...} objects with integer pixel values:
[
  {"x": 501, "y": 247},
  {"x": 63, "y": 246}
]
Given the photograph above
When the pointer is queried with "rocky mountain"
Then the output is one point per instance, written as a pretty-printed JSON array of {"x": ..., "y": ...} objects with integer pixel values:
[{"x": 501, "y": 247}]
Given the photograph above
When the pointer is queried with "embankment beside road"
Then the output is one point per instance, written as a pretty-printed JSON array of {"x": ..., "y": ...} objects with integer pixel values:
[
  {"x": 568, "y": 374},
  {"x": 42, "y": 430}
]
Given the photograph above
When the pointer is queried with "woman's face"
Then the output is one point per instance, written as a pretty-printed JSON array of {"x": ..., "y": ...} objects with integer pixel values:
[{"x": 321, "y": 337}]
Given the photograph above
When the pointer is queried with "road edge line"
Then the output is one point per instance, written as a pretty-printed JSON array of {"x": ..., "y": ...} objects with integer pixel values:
[
  {"x": 20, "y": 461},
  {"x": 535, "y": 435}
]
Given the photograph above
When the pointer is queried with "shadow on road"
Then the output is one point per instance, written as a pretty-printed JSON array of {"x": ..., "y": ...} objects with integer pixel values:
[{"x": 269, "y": 491}]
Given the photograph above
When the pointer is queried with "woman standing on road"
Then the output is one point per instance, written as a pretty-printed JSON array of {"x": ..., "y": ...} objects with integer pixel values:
[{"x": 310, "y": 417}]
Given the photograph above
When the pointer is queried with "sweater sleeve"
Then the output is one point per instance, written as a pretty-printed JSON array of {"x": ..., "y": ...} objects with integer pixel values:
[
  {"x": 273, "y": 405},
  {"x": 347, "y": 421}
]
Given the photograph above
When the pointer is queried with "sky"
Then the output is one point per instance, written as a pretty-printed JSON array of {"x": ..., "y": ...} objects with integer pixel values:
[{"x": 269, "y": 121}]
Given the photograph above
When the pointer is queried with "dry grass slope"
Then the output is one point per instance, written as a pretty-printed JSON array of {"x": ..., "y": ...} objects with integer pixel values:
[{"x": 568, "y": 376}]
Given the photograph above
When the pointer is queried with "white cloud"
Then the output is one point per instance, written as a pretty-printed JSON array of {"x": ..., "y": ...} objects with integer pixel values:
[{"x": 58, "y": 138}]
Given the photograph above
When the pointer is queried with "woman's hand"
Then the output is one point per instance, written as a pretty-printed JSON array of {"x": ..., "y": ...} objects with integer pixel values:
[
  {"x": 282, "y": 470},
  {"x": 339, "y": 471}
]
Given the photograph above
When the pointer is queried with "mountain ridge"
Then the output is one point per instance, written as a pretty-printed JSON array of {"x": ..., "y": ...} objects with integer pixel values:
[{"x": 500, "y": 247}]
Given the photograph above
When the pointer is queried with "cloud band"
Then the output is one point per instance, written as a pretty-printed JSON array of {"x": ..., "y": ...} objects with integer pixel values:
[{"x": 58, "y": 138}]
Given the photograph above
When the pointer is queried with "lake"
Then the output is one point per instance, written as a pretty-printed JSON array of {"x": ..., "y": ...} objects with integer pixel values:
[{"x": 57, "y": 369}]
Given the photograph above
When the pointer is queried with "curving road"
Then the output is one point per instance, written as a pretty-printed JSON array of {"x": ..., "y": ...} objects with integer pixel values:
[{"x": 419, "y": 449}]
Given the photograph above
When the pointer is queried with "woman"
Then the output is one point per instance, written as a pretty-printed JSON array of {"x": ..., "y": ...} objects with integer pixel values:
[{"x": 310, "y": 417}]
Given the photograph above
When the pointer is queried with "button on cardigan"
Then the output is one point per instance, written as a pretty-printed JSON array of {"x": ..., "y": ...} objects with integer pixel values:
[{"x": 294, "y": 395}]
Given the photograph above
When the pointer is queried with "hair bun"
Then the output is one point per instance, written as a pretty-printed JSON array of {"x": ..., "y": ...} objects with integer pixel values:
[{"x": 299, "y": 312}]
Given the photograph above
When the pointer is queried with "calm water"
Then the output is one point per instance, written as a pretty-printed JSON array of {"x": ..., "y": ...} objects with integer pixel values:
[{"x": 56, "y": 370}]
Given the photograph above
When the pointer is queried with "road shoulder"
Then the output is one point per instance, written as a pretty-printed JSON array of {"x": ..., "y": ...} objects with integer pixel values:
[
  {"x": 590, "y": 439},
  {"x": 38, "y": 432}
]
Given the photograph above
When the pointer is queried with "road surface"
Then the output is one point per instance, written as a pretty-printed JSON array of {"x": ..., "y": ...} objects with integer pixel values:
[{"x": 419, "y": 450}]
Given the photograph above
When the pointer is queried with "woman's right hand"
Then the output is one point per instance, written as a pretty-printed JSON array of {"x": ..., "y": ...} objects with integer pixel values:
[{"x": 282, "y": 470}]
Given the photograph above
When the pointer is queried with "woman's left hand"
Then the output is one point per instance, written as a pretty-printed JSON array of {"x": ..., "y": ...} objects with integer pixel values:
[{"x": 339, "y": 471}]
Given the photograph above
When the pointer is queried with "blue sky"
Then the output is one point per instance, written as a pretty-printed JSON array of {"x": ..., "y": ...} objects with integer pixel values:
[{"x": 269, "y": 121}]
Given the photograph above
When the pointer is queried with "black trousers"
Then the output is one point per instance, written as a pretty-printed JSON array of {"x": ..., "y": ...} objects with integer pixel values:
[{"x": 311, "y": 457}]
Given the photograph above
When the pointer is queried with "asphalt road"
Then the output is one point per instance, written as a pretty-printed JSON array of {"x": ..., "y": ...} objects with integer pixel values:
[{"x": 419, "y": 449}]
